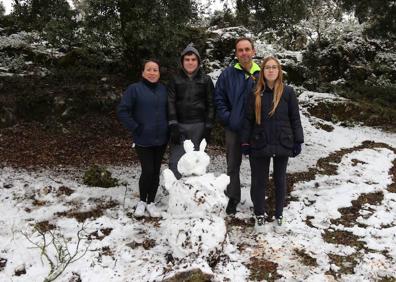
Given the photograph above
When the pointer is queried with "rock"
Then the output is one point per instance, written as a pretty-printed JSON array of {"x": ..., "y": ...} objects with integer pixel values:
[
  {"x": 195, "y": 274},
  {"x": 75, "y": 278},
  {"x": 20, "y": 270},
  {"x": 3, "y": 263}
]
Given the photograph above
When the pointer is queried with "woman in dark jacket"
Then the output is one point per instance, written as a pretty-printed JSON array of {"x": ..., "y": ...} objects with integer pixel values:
[
  {"x": 272, "y": 129},
  {"x": 143, "y": 111}
]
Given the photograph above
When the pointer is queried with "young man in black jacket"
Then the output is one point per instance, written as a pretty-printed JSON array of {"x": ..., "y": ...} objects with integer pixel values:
[{"x": 190, "y": 105}]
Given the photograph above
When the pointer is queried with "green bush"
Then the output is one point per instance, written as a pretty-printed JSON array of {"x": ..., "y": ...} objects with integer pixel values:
[{"x": 99, "y": 177}]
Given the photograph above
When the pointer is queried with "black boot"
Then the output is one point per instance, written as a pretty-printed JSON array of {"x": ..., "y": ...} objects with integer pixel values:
[{"x": 231, "y": 207}]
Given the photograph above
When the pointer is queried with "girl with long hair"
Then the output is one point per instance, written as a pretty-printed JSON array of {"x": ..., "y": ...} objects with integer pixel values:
[{"x": 271, "y": 130}]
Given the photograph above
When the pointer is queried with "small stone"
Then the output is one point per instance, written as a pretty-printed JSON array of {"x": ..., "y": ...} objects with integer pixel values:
[
  {"x": 20, "y": 270},
  {"x": 46, "y": 190},
  {"x": 8, "y": 186},
  {"x": 133, "y": 245},
  {"x": 3, "y": 263}
]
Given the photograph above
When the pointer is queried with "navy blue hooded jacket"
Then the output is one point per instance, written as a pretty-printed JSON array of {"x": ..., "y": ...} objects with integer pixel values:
[
  {"x": 232, "y": 90},
  {"x": 143, "y": 111}
]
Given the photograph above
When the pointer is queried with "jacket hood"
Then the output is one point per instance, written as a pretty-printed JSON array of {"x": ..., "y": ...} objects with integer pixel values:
[{"x": 190, "y": 48}]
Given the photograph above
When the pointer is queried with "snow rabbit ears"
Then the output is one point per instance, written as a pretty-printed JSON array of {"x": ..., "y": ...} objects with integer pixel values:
[{"x": 193, "y": 162}]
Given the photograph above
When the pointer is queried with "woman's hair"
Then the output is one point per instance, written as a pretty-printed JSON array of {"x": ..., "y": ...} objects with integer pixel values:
[
  {"x": 261, "y": 85},
  {"x": 145, "y": 61}
]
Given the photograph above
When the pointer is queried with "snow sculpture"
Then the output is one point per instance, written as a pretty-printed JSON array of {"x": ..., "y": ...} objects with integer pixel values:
[{"x": 194, "y": 226}]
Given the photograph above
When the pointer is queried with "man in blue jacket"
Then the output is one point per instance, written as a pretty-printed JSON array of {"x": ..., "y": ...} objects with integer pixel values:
[{"x": 232, "y": 90}]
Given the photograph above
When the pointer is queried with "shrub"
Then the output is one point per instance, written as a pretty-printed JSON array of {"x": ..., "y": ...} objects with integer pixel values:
[{"x": 99, "y": 177}]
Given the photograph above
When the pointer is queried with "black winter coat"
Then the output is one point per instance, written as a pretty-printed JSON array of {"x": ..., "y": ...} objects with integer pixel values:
[
  {"x": 190, "y": 100},
  {"x": 276, "y": 134}
]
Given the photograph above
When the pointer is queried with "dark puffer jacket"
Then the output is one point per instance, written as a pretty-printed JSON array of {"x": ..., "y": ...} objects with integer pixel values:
[
  {"x": 143, "y": 111},
  {"x": 276, "y": 134},
  {"x": 190, "y": 99}
]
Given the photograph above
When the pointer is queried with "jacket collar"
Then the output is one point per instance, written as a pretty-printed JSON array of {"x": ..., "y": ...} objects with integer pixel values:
[
  {"x": 255, "y": 67},
  {"x": 149, "y": 84},
  {"x": 196, "y": 73}
]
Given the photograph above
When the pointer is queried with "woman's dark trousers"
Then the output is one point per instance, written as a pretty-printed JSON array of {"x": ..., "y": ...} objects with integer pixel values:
[
  {"x": 259, "y": 183},
  {"x": 150, "y": 161}
]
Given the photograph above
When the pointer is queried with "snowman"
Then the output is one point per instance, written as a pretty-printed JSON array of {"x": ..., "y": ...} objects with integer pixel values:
[{"x": 194, "y": 225}]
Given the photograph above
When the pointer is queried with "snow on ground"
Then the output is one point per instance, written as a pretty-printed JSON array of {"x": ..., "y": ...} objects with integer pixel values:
[{"x": 115, "y": 246}]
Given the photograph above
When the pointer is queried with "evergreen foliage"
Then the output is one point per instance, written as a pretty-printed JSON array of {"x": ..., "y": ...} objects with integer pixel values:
[
  {"x": 261, "y": 14},
  {"x": 36, "y": 14},
  {"x": 141, "y": 29},
  {"x": 99, "y": 177},
  {"x": 2, "y": 9},
  {"x": 379, "y": 14},
  {"x": 54, "y": 18}
]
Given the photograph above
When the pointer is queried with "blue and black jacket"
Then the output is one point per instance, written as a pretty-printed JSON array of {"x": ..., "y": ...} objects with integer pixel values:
[{"x": 231, "y": 94}]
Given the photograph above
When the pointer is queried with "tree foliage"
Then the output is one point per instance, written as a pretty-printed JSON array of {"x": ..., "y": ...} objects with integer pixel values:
[
  {"x": 321, "y": 14},
  {"x": 122, "y": 30},
  {"x": 141, "y": 29},
  {"x": 379, "y": 14},
  {"x": 35, "y": 14},
  {"x": 262, "y": 14},
  {"x": 54, "y": 18},
  {"x": 2, "y": 9}
]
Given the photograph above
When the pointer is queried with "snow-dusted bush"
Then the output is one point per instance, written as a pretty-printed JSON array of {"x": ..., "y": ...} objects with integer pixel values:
[
  {"x": 99, "y": 177},
  {"x": 344, "y": 52},
  {"x": 12, "y": 63},
  {"x": 222, "y": 42},
  {"x": 18, "y": 40}
]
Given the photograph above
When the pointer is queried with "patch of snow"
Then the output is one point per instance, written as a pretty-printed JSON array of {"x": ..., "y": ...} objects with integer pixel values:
[{"x": 29, "y": 197}]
